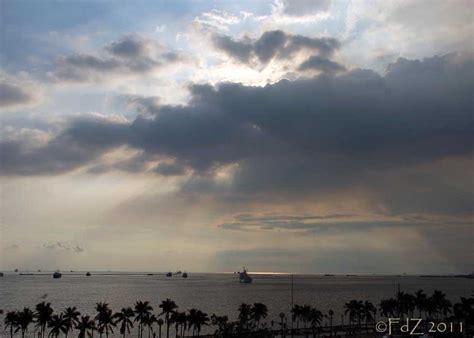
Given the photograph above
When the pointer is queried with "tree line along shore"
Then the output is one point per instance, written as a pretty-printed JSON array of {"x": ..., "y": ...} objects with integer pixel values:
[{"x": 143, "y": 321}]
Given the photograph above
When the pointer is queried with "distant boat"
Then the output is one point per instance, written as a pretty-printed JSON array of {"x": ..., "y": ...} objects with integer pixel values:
[
  {"x": 244, "y": 277},
  {"x": 149, "y": 274},
  {"x": 169, "y": 274},
  {"x": 1, "y": 274},
  {"x": 57, "y": 274},
  {"x": 16, "y": 270},
  {"x": 88, "y": 274},
  {"x": 178, "y": 272},
  {"x": 185, "y": 275}
]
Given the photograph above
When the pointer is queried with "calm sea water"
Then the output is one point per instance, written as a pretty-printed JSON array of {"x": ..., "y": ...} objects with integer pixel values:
[{"x": 215, "y": 293}]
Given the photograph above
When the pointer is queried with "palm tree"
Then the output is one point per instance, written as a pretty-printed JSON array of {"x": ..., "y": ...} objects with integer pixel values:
[
  {"x": 305, "y": 314},
  {"x": 244, "y": 315},
  {"x": 222, "y": 325},
  {"x": 388, "y": 307},
  {"x": 331, "y": 314},
  {"x": 441, "y": 304},
  {"x": 315, "y": 317},
  {"x": 420, "y": 301},
  {"x": 86, "y": 326},
  {"x": 160, "y": 323},
  {"x": 197, "y": 319},
  {"x": 142, "y": 310},
  {"x": 25, "y": 318},
  {"x": 179, "y": 319},
  {"x": 104, "y": 318},
  {"x": 58, "y": 324},
  {"x": 167, "y": 306},
  {"x": 368, "y": 313},
  {"x": 464, "y": 310},
  {"x": 431, "y": 307},
  {"x": 123, "y": 319},
  {"x": 406, "y": 304},
  {"x": 71, "y": 316},
  {"x": 43, "y": 315},
  {"x": 296, "y": 312},
  {"x": 354, "y": 309},
  {"x": 258, "y": 312},
  {"x": 445, "y": 306},
  {"x": 148, "y": 322},
  {"x": 183, "y": 320},
  {"x": 11, "y": 321}
]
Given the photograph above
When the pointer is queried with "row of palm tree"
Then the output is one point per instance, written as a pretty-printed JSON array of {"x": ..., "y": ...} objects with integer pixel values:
[
  {"x": 105, "y": 321},
  {"x": 405, "y": 304},
  {"x": 250, "y": 317}
]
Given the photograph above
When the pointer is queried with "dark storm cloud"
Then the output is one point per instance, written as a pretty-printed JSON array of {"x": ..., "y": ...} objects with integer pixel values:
[
  {"x": 14, "y": 95},
  {"x": 317, "y": 62},
  {"x": 273, "y": 44},
  {"x": 308, "y": 136},
  {"x": 131, "y": 54}
]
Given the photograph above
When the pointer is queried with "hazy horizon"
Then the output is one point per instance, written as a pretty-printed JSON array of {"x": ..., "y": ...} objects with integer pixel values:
[{"x": 284, "y": 135}]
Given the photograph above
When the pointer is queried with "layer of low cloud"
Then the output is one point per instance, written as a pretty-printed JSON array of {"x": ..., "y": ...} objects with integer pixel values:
[
  {"x": 129, "y": 55},
  {"x": 273, "y": 44}
]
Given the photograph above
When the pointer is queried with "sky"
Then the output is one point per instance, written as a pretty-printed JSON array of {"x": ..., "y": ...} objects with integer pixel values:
[{"x": 304, "y": 136}]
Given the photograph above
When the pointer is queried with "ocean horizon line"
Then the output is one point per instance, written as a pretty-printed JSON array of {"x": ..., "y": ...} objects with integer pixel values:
[{"x": 323, "y": 274}]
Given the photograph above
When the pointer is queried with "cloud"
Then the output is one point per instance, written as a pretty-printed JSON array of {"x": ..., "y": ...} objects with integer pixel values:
[
  {"x": 217, "y": 19},
  {"x": 12, "y": 247},
  {"x": 317, "y": 224},
  {"x": 170, "y": 169},
  {"x": 319, "y": 63},
  {"x": 17, "y": 91},
  {"x": 62, "y": 153},
  {"x": 273, "y": 44},
  {"x": 63, "y": 246},
  {"x": 310, "y": 136},
  {"x": 305, "y": 7},
  {"x": 130, "y": 55}
]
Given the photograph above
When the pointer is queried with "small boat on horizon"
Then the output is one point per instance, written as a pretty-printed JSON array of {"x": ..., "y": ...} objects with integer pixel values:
[
  {"x": 169, "y": 274},
  {"x": 185, "y": 275},
  {"x": 57, "y": 274},
  {"x": 1, "y": 274},
  {"x": 244, "y": 277},
  {"x": 88, "y": 274}
]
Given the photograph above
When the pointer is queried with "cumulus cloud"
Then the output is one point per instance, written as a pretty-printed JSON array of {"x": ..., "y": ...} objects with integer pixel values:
[
  {"x": 131, "y": 54},
  {"x": 273, "y": 44},
  {"x": 18, "y": 91},
  {"x": 308, "y": 136}
]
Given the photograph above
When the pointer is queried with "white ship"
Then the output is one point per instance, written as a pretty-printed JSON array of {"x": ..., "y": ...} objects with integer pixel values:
[{"x": 244, "y": 277}]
